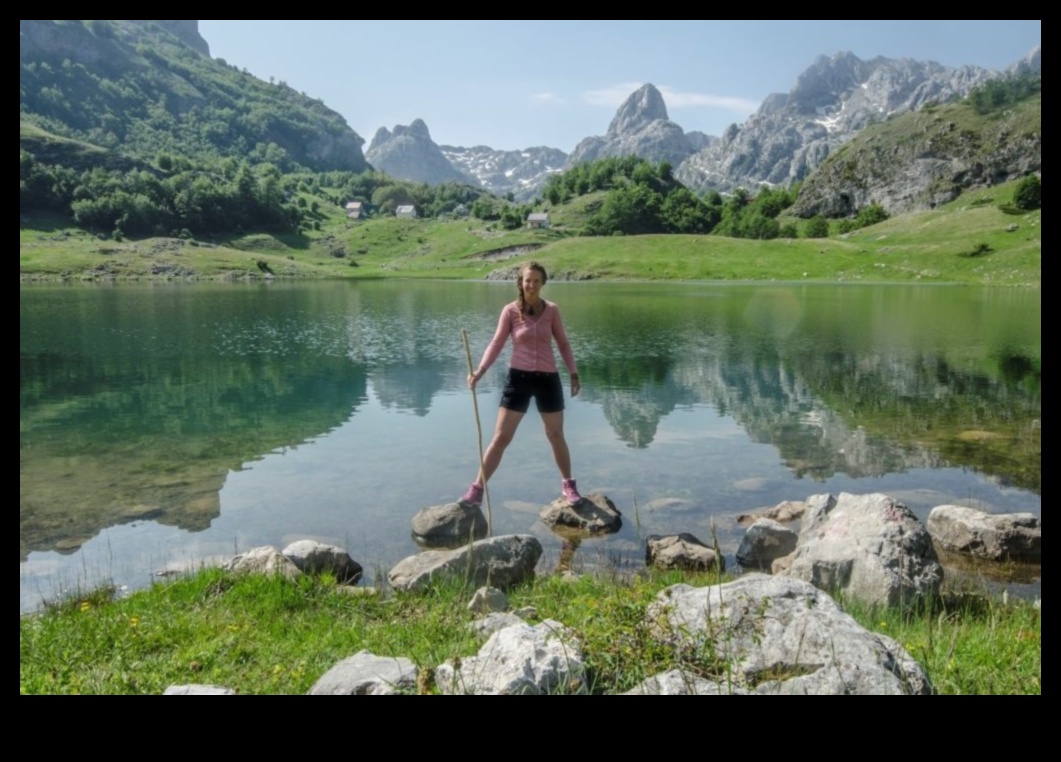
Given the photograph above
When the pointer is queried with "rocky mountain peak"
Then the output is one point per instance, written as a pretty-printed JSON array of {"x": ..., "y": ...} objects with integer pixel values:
[
  {"x": 644, "y": 106},
  {"x": 1031, "y": 63},
  {"x": 408, "y": 153}
]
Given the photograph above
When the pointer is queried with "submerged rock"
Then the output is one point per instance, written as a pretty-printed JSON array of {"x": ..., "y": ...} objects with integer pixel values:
[
  {"x": 596, "y": 514},
  {"x": 868, "y": 547},
  {"x": 545, "y": 659},
  {"x": 772, "y": 635},
  {"x": 998, "y": 537},
  {"x": 782, "y": 512},
  {"x": 681, "y": 551},
  {"x": 500, "y": 562},
  {"x": 449, "y": 526},
  {"x": 365, "y": 674},
  {"x": 315, "y": 558}
]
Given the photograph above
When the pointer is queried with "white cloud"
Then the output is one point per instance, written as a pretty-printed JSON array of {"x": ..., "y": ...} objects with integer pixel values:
[{"x": 614, "y": 96}]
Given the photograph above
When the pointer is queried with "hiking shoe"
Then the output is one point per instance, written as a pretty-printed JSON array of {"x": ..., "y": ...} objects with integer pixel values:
[
  {"x": 474, "y": 495},
  {"x": 567, "y": 486}
]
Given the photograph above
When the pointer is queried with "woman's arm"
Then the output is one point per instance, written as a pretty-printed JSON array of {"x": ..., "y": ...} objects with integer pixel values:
[
  {"x": 493, "y": 349},
  {"x": 560, "y": 335}
]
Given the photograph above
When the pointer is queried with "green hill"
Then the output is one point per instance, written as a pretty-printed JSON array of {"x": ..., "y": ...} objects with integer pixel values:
[{"x": 148, "y": 87}]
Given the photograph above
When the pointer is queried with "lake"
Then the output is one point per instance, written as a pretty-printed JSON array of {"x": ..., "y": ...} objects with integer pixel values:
[{"x": 166, "y": 425}]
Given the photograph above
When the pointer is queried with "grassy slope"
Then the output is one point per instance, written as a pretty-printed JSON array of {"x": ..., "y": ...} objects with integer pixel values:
[
  {"x": 270, "y": 635},
  {"x": 926, "y": 247}
]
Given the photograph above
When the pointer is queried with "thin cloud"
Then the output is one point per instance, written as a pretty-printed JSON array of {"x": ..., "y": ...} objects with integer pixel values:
[
  {"x": 548, "y": 98},
  {"x": 615, "y": 95}
]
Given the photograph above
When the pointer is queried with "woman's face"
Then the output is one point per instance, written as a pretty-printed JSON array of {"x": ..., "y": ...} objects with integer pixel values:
[{"x": 532, "y": 283}]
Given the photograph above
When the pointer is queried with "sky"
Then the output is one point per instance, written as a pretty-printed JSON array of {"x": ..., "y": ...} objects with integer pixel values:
[{"x": 518, "y": 84}]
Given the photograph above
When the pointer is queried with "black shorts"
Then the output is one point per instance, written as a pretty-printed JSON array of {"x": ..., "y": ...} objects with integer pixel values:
[{"x": 521, "y": 385}]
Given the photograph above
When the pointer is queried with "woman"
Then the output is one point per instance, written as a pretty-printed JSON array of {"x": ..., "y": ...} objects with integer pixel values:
[{"x": 533, "y": 324}]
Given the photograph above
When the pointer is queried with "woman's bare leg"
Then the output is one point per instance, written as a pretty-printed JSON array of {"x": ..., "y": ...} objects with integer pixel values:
[
  {"x": 504, "y": 431},
  {"x": 554, "y": 432}
]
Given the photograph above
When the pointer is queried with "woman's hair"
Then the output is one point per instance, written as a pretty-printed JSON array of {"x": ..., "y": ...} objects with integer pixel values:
[{"x": 536, "y": 266}]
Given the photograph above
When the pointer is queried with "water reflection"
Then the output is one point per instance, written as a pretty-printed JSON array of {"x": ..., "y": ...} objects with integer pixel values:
[{"x": 267, "y": 411}]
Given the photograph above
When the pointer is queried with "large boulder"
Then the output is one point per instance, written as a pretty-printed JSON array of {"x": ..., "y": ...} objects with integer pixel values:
[
  {"x": 765, "y": 542},
  {"x": 449, "y": 526},
  {"x": 681, "y": 551},
  {"x": 263, "y": 560},
  {"x": 500, "y": 562},
  {"x": 315, "y": 558},
  {"x": 594, "y": 515},
  {"x": 365, "y": 674},
  {"x": 772, "y": 635},
  {"x": 998, "y": 537},
  {"x": 866, "y": 547},
  {"x": 520, "y": 660}
]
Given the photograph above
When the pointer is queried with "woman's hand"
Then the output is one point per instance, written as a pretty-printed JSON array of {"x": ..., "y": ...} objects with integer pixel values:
[
  {"x": 576, "y": 386},
  {"x": 473, "y": 379}
]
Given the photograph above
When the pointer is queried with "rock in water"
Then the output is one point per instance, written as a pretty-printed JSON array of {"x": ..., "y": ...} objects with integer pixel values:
[
  {"x": 765, "y": 542},
  {"x": 449, "y": 526},
  {"x": 868, "y": 547},
  {"x": 500, "y": 562},
  {"x": 998, "y": 537},
  {"x": 596, "y": 514}
]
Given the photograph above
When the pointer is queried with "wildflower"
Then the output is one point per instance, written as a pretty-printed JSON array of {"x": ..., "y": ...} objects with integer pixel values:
[
  {"x": 85, "y": 607},
  {"x": 134, "y": 622}
]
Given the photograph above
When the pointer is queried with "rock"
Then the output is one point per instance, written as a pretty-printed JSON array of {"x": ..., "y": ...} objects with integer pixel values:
[
  {"x": 678, "y": 683},
  {"x": 681, "y": 551},
  {"x": 782, "y": 565},
  {"x": 774, "y": 635},
  {"x": 500, "y": 561},
  {"x": 596, "y": 514},
  {"x": 314, "y": 558},
  {"x": 494, "y": 622},
  {"x": 366, "y": 674},
  {"x": 998, "y": 537},
  {"x": 766, "y": 541},
  {"x": 783, "y": 512},
  {"x": 263, "y": 560},
  {"x": 520, "y": 660},
  {"x": 868, "y": 547},
  {"x": 449, "y": 526},
  {"x": 198, "y": 690},
  {"x": 488, "y": 600}
]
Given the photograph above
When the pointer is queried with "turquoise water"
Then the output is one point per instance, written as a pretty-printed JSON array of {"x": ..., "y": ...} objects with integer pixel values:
[{"x": 165, "y": 425}]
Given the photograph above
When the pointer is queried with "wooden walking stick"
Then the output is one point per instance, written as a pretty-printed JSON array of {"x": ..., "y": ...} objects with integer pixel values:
[{"x": 479, "y": 438}]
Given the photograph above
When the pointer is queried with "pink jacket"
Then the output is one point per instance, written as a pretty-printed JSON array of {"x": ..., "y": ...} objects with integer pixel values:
[{"x": 532, "y": 338}]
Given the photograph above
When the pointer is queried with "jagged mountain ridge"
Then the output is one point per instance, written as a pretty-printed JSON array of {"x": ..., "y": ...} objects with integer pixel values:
[
  {"x": 521, "y": 173},
  {"x": 791, "y": 135}
]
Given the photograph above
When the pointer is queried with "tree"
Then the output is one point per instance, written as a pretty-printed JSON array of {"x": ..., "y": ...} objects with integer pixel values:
[
  {"x": 816, "y": 227},
  {"x": 1029, "y": 193}
]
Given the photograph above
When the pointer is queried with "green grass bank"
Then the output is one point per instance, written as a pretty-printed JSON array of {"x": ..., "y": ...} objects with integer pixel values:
[
  {"x": 269, "y": 635},
  {"x": 969, "y": 241}
]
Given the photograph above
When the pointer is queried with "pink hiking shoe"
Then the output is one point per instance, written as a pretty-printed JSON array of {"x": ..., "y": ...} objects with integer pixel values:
[
  {"x": 567, "y": 486},
  {"x": 474, "y": 495}
]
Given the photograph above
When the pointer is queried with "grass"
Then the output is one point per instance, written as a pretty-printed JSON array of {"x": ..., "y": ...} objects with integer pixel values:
[
  {"x": 270, "y": 635},
  {"x": 931, "y": 247}
]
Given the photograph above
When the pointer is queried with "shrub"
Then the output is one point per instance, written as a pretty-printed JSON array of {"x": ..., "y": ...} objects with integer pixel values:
[{"x": 1029, "y": 193}]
